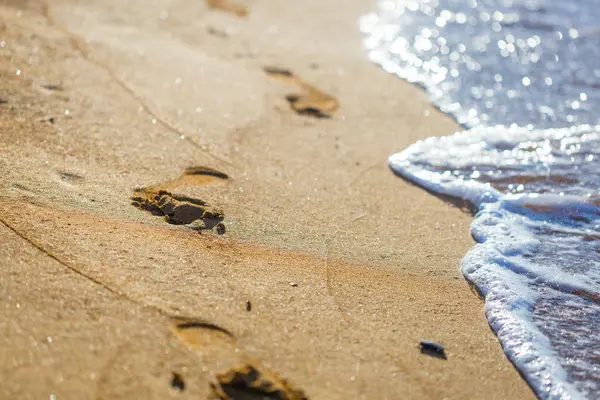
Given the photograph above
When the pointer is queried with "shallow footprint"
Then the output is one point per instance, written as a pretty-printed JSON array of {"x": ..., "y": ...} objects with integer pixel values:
[
  {"x": 229, "y": 6},
  {"x": 310, "y": 101}
]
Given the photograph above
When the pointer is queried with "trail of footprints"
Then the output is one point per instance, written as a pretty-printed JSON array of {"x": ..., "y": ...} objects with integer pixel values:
[
  {"x": 248, "y": 380},
  {"x": 308, "y": 100}
]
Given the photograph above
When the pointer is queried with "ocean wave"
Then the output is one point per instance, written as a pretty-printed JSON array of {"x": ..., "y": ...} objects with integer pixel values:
[{"x": 522, "y": 76}]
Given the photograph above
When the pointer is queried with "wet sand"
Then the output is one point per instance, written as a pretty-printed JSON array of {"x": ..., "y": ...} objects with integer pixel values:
[{"x": 328, "y": 269}]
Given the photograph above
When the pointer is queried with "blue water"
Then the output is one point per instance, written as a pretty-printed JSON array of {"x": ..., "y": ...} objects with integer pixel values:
[{"x": 524, "y": 78}]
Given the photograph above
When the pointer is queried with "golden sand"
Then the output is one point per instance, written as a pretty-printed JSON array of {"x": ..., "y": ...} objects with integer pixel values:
[{"x": 330, "y": 270}]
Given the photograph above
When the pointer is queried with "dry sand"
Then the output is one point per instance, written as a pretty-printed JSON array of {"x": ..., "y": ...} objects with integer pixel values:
[{"x": 344, "y": 266}]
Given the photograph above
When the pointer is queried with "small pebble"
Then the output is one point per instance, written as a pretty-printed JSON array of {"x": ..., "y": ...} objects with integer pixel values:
[
  {"x": 293, "y": 284},
  {"x": 432, "y": 348}
]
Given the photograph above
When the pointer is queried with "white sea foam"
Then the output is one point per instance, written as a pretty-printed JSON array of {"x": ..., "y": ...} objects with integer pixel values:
[
  {"x": 496, "y": 65},
  {"x": 537, "y": 260}
]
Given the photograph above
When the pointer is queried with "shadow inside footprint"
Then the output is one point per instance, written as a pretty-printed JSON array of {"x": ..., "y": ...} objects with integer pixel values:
[
  {"x": 197, "y": 176},
  {"x": 280, "y": 73},
  {"x": 177, "y": 382},
  {"x": 305, "y": 105},
  {"x": 249, "y": 382},
  {"x": 200, "y": 335},
  {"x": 185, "y": 324}
]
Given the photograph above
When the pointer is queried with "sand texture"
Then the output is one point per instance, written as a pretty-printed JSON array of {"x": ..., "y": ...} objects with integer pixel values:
[{"x": 195, "y": 203}]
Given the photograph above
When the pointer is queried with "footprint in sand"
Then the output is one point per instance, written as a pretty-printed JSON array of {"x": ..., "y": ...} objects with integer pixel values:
[
  {"x": 310, "y": 101},
  {"x": 183, "y": 210},
  {"x": 232, "y": 7},
  {"x": 248, "y": 380}
]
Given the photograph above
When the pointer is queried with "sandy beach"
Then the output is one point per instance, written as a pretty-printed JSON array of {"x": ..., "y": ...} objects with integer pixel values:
[{"x": 267, "y": 230}]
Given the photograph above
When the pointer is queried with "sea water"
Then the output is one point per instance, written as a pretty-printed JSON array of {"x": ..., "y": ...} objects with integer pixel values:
[{"x": 524, "y": 77}]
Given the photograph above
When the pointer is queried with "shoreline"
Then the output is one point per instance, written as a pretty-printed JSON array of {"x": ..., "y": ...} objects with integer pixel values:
[{"x": 310, "y": 202}]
